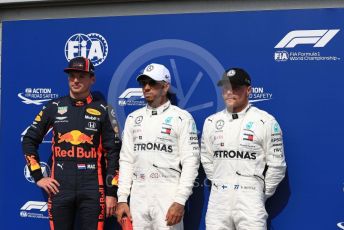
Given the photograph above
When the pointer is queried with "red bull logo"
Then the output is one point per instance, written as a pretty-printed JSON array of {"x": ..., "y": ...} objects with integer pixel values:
[
  {"x": 75, "y": 137},
  {"x": 79, "y": 152},
  {"x": 102, "y": 204}
]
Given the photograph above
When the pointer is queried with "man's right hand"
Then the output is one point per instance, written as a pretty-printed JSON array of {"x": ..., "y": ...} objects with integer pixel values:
[
  {"x": 50, "y": 185},
  {"x": 122, "y": 210}
]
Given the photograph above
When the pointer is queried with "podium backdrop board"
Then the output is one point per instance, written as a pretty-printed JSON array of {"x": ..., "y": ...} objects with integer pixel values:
[{"x": 295, "y": 59}]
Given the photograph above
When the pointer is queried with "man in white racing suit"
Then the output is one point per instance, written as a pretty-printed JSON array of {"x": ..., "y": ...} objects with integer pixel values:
[
  {"x": 242, "y": 154},
  {"x": 159, "y": 158}
]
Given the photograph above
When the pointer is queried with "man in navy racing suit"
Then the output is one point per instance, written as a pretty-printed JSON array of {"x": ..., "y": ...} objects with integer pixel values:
[{"x": 84, "y": 145}]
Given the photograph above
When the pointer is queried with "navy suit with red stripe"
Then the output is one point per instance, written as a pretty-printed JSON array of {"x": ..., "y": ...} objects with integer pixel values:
[{"x": 85, "y": 154}]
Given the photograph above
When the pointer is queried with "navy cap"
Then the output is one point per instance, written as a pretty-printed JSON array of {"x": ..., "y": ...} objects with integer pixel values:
[
  {"x": 235, "y": 76},
  {"x": 80, "y": 64}
]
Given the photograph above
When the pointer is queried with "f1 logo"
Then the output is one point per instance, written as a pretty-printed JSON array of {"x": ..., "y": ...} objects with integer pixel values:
[
  {"x": 131, "y": 92},
  {"x": 317, "y": 37},
  {"x": 39, "y": 205}
]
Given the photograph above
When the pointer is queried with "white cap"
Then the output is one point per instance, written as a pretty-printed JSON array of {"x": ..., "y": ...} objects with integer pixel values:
[{"x": 157, "y": 72}]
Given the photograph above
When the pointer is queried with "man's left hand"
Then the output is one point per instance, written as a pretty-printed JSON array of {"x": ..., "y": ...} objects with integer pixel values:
[
  {"x": 110, "y": 204},
  {"x": 174, "y": 214}
]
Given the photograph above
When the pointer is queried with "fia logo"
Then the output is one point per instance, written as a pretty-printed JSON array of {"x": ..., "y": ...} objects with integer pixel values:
[
  {"x": 93, "y": 46},
  {"x": 281, "y": 56}
]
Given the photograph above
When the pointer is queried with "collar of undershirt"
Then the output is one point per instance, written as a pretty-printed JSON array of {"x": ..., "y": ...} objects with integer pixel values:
[
  {"x": 240, "y": 114},
  {"x": 159, "y": 110},
  {"x": 82, "y": 102}
]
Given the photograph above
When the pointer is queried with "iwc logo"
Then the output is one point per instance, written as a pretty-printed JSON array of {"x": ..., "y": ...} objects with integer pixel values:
[{"x": 93, "y": 46}]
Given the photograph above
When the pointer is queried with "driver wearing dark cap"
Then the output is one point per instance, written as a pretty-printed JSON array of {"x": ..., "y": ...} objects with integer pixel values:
[
  {"x": 242, "y": 154},
  {"x": 82, "y": 138}
]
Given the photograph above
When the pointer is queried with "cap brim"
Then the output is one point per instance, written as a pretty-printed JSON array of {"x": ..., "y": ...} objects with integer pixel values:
[
  {"x": 142, "y": 76},
  {"x": 68, "y": 70},
  {"x": 232, "y": 82},
  {"x": 222, "y": 82}
]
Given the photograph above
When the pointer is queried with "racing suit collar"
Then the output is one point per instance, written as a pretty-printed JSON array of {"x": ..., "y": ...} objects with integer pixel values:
[
  {"x": 156, "y": 111},
  {"x": 240, "y": 114},
  {"x": 79, "y": 103}
]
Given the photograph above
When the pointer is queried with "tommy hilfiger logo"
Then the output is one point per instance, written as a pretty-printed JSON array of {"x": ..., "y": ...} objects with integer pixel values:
[
  {"x": 248, "y": 137},
  {"x": 166, "y": 130}
]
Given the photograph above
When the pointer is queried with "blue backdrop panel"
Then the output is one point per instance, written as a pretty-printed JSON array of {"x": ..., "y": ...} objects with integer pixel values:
[{"x": 294, "y": 58}]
